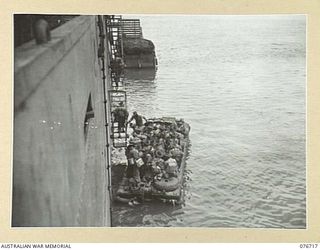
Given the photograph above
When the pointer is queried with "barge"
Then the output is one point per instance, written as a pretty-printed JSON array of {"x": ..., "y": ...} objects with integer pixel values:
[
  {"x": 138, "y": 52},
  {"x": 162, "y": 144}
]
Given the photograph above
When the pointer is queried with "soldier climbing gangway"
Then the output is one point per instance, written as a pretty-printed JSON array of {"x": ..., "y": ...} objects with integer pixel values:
[
  {"x": 117, "y": 94},
  {"x": 114, "y": 32}
]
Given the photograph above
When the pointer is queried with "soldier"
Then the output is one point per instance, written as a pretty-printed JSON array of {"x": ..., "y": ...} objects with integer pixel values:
[
  {"x": 138, "y": 120},
  {"x": 117, "y": 67},
  {"x": 121, "y": 116}
]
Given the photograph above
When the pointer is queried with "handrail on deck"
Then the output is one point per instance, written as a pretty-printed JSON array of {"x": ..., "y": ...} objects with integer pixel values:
[{"x": 131, "y": 28}]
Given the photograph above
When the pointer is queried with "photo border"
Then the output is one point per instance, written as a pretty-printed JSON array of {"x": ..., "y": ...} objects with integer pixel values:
[{"x": 226, "y": 7}]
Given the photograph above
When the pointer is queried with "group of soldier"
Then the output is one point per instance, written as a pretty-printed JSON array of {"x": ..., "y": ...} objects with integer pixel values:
[
  {"x": 155, "y": 148},
  {"x": 155, "y": 151}
]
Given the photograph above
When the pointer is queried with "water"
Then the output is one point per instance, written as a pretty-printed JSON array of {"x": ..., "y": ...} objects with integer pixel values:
[{"x": 240, "y": 83}]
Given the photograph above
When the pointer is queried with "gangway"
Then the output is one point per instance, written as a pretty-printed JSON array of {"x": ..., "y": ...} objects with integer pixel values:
[
  {"x": 131, "y": 28},
  {"x": 114, "y": 32},
  {"x": 118, "y": 100},
  {"x": 117, "y": 94}
]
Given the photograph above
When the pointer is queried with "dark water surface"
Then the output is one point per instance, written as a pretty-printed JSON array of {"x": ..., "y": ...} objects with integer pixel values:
[{"x": 240, "y": 83}]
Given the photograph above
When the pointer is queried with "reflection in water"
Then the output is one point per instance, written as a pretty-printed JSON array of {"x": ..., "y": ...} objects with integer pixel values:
[
  {"x": 141, "y": 87},
  {"x": 147, "y": 74}
]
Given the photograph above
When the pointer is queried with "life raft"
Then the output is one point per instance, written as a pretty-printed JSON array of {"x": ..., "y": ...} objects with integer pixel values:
[
  {"x": 122, "y": 199},
  {"x": 168, "y": 185}
]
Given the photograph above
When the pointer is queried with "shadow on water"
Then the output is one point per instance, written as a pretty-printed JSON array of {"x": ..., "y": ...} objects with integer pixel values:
[
  {"x": 148, "y": 214},
  {"x": 141, "y": 90}
]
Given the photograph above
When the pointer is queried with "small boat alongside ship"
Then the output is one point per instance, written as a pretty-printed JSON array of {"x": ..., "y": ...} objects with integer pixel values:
[
  {"x": 138, "y": 52},
  {"x": 162, "y": 144}
]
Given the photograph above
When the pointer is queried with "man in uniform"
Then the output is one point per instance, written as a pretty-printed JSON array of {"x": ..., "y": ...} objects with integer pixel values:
[
  {"x": 121, "y": 116},
  {"x": 138, "y": 120}
]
